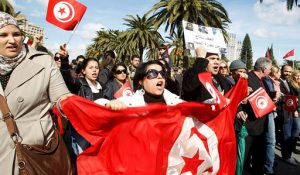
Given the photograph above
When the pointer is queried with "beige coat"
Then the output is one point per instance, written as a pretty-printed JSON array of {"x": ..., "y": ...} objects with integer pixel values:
[{"x": 33, "y": 86}]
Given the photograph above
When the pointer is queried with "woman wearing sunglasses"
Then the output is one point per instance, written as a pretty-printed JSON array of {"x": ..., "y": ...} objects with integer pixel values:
[
  {"x": 118, "y": 78},
  {"x": 149, "y": 85}
]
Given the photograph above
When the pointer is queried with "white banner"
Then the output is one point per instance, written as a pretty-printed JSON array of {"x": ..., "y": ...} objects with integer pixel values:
[{"x": 196, "y": 35}]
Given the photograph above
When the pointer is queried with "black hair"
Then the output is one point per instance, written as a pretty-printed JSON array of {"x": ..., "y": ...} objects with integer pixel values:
[
  {"x": 114, "y": 69},
  {"x": 166, "y": 66},
  {"x": 141, "y": 72},
  {"x": 42, "y": 49},
  {"x": 135, "y": 56},
  {"x": 108, "y": 59},
  {"x": 85, "y": 62},
  {"x": 79, "y": 56}
]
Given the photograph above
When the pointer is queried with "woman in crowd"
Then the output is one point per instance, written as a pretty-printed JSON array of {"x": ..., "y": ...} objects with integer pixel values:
[
  {"x": 118, "y": 78},
  {"x": 149, "y": 84},
  {"x": 223, "y": 68},
  {"x": 224, "y": 71},
  {"x": 31, "y": 83},
  {"x": 108, "y": 61},
  {"x": 87, "y": 87},
  {"x": 171, "y": 83}
]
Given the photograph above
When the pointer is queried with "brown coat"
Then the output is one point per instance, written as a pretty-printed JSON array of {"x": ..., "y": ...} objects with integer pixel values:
[{"x": 32, "y": 88}]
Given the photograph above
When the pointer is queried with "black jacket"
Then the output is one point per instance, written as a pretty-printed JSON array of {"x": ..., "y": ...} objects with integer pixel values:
[
  {"x": 77, "y": 86},
  {"x": 255, "y": 126},
  {"x": 192, "y": 89},
  {"x": 111, "y": 88}
]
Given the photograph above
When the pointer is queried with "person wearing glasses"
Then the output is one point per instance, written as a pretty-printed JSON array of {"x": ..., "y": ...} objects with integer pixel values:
[
  {"x": 57, "y": 59},
  {"x": 149, "y": 85},
  {"x": 118, "y": 78}
]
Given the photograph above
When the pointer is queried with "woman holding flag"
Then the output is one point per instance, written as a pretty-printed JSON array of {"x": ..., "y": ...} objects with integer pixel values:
[{"x": 118, "y": 78}]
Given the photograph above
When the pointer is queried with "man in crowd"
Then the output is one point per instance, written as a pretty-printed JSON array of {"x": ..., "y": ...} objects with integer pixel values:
[
  {"x": 287, "y": 119},
  {"x": 192, "y": 89},
  {"x": 256, "y": 127},
  {"x": 134, "y": 63}
]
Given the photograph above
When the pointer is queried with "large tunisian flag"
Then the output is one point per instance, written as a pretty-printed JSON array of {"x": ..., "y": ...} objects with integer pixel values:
[
  {"x": 65, "y": 13},
  {"x": 156, "y": 139}
]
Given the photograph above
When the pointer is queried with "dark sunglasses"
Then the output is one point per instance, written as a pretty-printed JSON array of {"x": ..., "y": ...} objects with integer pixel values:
[
  {"x": 121, "y": 71},
  {"x": 225, "y": 67},
  {"x": 152, "y": 73},
  {"x": 56, "y": 58}
]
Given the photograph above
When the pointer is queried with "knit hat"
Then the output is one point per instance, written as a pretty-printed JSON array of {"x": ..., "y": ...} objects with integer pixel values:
[
  {"x": 237, "y": 64},
  {"x": 7, "y": 19}
]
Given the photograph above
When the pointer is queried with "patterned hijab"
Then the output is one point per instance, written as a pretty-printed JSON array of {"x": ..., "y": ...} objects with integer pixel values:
[{"x": 7, "y": 65}]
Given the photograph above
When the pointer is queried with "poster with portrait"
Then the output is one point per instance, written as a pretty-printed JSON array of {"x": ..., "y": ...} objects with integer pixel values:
[{"x": 209, "y": 37}]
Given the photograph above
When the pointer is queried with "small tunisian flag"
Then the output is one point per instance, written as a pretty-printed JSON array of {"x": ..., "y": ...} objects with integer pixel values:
[
  {"x": 268, "y": 54},
  {"x": 65, "y": 13},
  {"x": 289, "y": 54},
  {"x": 125, "y": 90},
  {"x": 156, "y": 139},
  {"x": 206, "y": 79},
  {"x": 290, "y": 104},
  {"x": 261, "y": 103}
]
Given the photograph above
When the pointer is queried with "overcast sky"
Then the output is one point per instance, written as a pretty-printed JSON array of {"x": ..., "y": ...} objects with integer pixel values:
[{"x": 267, "y": 23}]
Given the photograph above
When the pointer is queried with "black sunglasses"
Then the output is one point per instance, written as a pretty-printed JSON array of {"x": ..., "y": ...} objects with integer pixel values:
[
  {"x": 121, "y": 71},
  {"x": 152, "y": 73},
  {"x": 56, "y": 58},
  {"x": 225, "y": 67}
]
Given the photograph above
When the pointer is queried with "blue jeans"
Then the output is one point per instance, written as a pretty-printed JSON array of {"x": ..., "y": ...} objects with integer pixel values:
[
  {"x": 270, "y": 144},
  {"x": 291, "y": 130}
]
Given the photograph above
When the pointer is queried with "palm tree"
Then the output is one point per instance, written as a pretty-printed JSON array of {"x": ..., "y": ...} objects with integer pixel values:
[
  {"x": 5, "y": 6},
  {"x": 203, "y": 12},
  {"x": 289, "y": 4},
  {"x": 141, "y": 34},
  {"x": 177, "y": 43}
]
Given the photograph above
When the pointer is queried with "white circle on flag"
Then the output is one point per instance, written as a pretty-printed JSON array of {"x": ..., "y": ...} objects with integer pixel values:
[
  {"x": 212, "y": 92},
  {"x": 261, "y": 102},
  {"x": 127, "y": 92},
  {"x": 188, "y": 144},
  {"x": 63, "y": 11},
  {"x": 289, "y": 102}
]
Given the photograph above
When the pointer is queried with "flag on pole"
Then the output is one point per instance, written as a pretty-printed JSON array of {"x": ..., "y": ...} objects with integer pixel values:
[
  {"x": 268, "y": 54},
  {"x": 261, "y": 103},
  {"x": 156, "y": 139},
  {"x": 289, "y": 54},
  {"x": 27, "y": 41},
  {"x": 65, "y": 14}
]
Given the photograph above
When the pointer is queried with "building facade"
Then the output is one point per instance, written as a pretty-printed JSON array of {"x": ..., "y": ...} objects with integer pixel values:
[
  {"x": 29, "y": 28},
  {"x": 234, "y": 47}
]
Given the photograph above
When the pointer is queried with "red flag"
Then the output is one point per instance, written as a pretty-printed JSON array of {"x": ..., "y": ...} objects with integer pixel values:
[
  {"x": 28, "y": 41},
  {"x": 261, "y": 103},
  {"x": 65, "y": 13},
  {"x": 125, "y": 90},
  {"x": 289, "y": 54},
  {"x": 268, "y": 54},
  {"x": 206, "y": 80},
  {"x": 290, "y": 103},
  {"x": 161, "y": 140}
]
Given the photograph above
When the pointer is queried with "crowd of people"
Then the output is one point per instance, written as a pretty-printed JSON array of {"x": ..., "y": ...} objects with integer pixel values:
[{"x": 31, "y": 81}]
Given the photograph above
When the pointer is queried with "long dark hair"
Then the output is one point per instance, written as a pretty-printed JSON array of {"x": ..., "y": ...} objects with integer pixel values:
[
  {"x": 141, "y": 72},
  {"x": 108, "y": 59},
  {"x": 85, "y": 62},
  {"x": 114, "y": 69}
]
